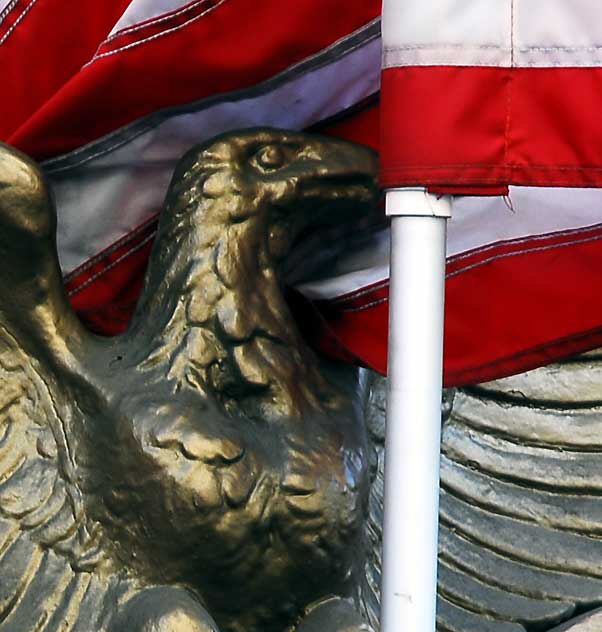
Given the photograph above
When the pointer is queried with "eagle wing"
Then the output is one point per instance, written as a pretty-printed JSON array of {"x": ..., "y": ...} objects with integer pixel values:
[
  {"x": 48, "y": 549},
  {"x": 521, "y": 510},
  {"x": 375, "y": 412},
  {"x": 48, "y": 546}
]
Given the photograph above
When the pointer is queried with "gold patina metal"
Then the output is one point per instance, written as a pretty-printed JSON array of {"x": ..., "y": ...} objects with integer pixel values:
[{"x": 203, "y": 471}]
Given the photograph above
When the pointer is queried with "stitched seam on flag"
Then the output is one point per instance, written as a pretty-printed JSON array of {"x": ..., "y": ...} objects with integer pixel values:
[
  {"x": 380, "y": 301},
  {"x": 521, "y": 240},
  {"x": 458, "y": 373},
  {"x": 438, "y": 55},
  {"x": 410, "y": 47},
  {"x": 522, "y": 252},
  {"x": 507, "y": 122},
  {"x": 17, "y": 21},
  {"x": 590, "y": 63},
  {"x": 156, "y": 20},
  {"x": 130, "y": 132},
  {"x": 379, "y": 285},
  {"x": 156, "y": 35},
  {"x": 549, "y": 181},
  {"x": 483, "y": 164},
  {"x": 7, "y": 9},
  {"x": 504, "y": 49},
  {"x": 485, "y": 261},
  {"x": 429, "y": 64},
  {"x": 127, "y": 140},
  {"x": 202, "y": 104},
  {"x": 102, "y": 272},
  {"x": 111, "y": 249},
  {"x": 510, "y": 76},
  {"x": 534, "y": 56},
  {"x": 560, "y": 49}
]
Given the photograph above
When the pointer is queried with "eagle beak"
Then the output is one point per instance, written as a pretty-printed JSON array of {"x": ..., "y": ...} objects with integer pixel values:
[{"x": 337, "y": 181}]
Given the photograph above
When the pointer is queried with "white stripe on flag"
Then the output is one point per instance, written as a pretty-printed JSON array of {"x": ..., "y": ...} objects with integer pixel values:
[
  {"x": 543, "y": 33},
  {"x": 101, "y": 199},
  {"x": 143, "y": 10},
  {"x": 476, "y": 223},
  {"x": 476, "y": 32},
  {"x": 558, "y": 32},
  {"x": 5, "y": 7}
]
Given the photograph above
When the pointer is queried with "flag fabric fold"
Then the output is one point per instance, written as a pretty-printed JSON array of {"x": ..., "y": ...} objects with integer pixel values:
[
  {"x": 486, "y": 94},
  {"x": 495, "y": 102}
]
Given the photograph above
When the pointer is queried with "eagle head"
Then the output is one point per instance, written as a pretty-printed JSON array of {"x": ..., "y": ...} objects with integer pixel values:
[{"x": 285, "y": 181}]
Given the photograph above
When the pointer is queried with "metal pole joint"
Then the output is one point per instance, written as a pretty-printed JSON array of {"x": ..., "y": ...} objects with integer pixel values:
[{"x": 417, "y": 202}]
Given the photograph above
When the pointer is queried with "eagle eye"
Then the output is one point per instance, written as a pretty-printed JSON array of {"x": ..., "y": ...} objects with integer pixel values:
[{"x": 270, "y": 157}]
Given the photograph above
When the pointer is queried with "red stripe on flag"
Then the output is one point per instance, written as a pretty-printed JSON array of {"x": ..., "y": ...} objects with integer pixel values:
[
  {"x": 503, "y": 315},
  {"x": 480, "y": 127},
  {"x": 12, "y": 15},
  {"x": 43, "y": 45},
  {"x": 541, "y": 322},
  {"x": 104, "y": 291},
  {"x": 156, "y": 27},
  {"x": 235, "y": 46},
  {"x": 361, "y": 125}
]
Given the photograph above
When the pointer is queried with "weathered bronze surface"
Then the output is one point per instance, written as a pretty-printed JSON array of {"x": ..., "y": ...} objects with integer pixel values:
[
  {"x": 205, "y": 472},
  {"x": 202, "y": 471},
  {"x": 521, "y": 503}
]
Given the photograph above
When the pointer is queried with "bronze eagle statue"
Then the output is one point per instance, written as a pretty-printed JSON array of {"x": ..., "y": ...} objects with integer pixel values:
[{"x": 203, "y": 471}]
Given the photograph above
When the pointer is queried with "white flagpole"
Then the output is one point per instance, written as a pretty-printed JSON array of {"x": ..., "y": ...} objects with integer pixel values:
[{"x": 412, "y": 446}]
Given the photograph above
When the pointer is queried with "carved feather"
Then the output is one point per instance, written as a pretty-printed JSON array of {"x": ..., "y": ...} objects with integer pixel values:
[
  {"x": 225, "y": 464},
  {"x": 45, "y": 536},
  {"x": 521, "y": 501}
]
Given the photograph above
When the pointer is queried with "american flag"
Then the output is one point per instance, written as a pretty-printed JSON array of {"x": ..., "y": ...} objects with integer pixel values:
[{"x": 495, "y": 102}]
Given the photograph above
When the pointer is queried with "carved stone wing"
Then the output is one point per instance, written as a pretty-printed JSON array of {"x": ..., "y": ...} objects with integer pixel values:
[
  {"x": 521, "y": 510},
  {"x": 375, "y": 420}
]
